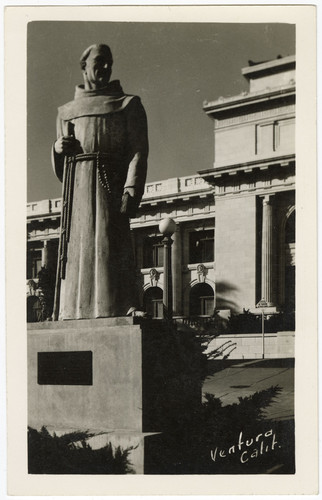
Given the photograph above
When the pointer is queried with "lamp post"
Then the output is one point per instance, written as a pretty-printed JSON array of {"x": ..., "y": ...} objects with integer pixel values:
[
  {"x": 261, "y": 305},
  {"x": 167, "y": 227}
]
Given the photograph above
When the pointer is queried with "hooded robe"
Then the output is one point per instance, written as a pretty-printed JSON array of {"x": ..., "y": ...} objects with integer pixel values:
[{"x": 99, "y": 278}]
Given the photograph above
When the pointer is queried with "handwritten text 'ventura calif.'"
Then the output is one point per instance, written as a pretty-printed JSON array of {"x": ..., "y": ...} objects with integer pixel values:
[{"x": 249, "y": 448}]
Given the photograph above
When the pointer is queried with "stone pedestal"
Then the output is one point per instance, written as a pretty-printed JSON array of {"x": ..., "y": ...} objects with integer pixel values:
[
  {"x": 109, "y": 376},
  {"x": 113, "y": 400},
  {"x": 87, "y": 374}
]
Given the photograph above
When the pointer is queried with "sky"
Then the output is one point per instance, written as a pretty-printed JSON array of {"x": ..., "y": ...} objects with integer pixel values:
[{"x": 173, "y": 67}]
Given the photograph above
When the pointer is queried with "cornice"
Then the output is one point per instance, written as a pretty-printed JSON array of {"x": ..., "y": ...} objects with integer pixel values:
[
  {"x": 42, "y": 218},
  {"x": 175, "y": 198},
  {"x": 247, "y": 99},
  {"x": 269, "y": 67},
  {"x": 283, "y": 161}
]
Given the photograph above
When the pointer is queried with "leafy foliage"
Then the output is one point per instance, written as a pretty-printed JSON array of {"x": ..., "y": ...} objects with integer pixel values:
[
  {"x": 245, "y": 322},
  {"x": 185, "y": 447},
  {"x": 205, "y": 330},
  {"x": 176, "y": 366},
  {"x": 252, "y": 323},
  {"x": 72, "y": 454}
]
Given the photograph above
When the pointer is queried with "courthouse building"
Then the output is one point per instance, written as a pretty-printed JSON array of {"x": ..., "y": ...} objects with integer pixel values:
[{"x": 234, "y": 242}]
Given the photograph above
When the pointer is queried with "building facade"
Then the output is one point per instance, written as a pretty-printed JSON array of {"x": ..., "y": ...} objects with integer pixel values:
[
  {"x": 234, "y": 242},
  {"x": 253, "y": 177}
]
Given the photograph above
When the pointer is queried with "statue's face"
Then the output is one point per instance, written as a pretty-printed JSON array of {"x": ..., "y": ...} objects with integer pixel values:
[{"x": 98, "y": 69}]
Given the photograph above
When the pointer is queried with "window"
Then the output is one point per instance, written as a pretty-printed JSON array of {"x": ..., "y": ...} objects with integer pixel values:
[
  {"x": 201, "y": 246},
  {"x": 207, "y": 305},
  {"x": 202, "y": 300},
  {"x": 153, "y": 252},
  {"x": 34, "y": 259},
  {"x": 153, "y": 302}
]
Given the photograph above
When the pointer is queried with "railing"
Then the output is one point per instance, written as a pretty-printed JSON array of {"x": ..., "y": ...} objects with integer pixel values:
[
  {"x": 175, "y": 185},
  {"x": 202, "y": 320}
]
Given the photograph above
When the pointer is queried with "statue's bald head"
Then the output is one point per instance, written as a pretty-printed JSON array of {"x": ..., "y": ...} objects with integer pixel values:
[
  {"x": 96, "y": 63},
  {"x": 101, "y": 47}
]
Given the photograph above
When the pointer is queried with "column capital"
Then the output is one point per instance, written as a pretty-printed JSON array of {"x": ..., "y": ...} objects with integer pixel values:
[{"x": 267, "y": 198}]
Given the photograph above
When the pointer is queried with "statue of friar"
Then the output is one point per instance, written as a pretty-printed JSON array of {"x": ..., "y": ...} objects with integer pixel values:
[{"x": 100, "y": 155}]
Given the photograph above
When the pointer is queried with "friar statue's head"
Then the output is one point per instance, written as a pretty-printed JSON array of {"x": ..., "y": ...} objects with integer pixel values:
[{"x": 96, "y": 63}]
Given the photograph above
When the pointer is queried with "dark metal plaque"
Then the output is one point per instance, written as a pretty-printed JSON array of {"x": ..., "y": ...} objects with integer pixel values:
[{"x": 65, "y": 368}]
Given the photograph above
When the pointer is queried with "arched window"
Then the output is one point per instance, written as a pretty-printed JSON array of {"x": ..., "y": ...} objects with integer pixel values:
[
  {"x": 153, "y": 302},
  {"x": 201, "y": 300}
]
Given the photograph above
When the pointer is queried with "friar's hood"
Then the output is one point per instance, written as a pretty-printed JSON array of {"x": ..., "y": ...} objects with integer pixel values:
[{"x": 109, "y": 99}]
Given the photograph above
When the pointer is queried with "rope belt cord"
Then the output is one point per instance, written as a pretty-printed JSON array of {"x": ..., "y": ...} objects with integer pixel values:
[
  {"x": 100, "y": 161},
  {"x": 92, "y": 156}
]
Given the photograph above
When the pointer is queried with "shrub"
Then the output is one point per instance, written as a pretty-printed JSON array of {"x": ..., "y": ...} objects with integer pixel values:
[
  {"x": 186, "y": 446},
  {"x": 71, "y": 454}
]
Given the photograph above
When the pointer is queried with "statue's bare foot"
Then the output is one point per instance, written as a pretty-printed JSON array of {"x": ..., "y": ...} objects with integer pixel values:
[
  {"x": 139, "y": 314},
  {"x": 134, "y": 312}
]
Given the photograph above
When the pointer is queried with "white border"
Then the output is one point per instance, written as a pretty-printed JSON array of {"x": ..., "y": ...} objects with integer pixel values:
[{"x": 305, "y": 480}]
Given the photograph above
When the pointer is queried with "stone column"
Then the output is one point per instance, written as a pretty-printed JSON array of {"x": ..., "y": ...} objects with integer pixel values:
[
  {"x": 177, "y": 270},
  {"x": 44, "y": 254},
  {"x": 268, "y": 284}
]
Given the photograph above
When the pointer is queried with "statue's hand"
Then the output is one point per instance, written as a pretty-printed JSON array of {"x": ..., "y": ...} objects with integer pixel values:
[
  {"x": 128, "y": 205},
  {"x": 67, "y": 144}
]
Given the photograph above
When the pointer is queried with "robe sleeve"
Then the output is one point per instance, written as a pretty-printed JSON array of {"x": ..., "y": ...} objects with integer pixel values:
[
  {"x": 138, "y": 143},
  {"x": 58, "y": 160}
]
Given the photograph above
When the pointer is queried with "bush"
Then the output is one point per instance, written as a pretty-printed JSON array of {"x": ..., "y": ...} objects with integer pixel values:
[
  {"x": 252, "y": 323},
  {"x": 187, "y": 447},
  {"x": 71, "y": 454}
]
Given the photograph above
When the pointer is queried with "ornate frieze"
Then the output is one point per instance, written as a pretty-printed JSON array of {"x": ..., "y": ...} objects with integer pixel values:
[{"x": 259, "y": 115}]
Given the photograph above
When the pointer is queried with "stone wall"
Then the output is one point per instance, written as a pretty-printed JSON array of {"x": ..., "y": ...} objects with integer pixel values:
[
  {"x": 250, "y": 345},
  {"x": 235, "y": 252}
]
